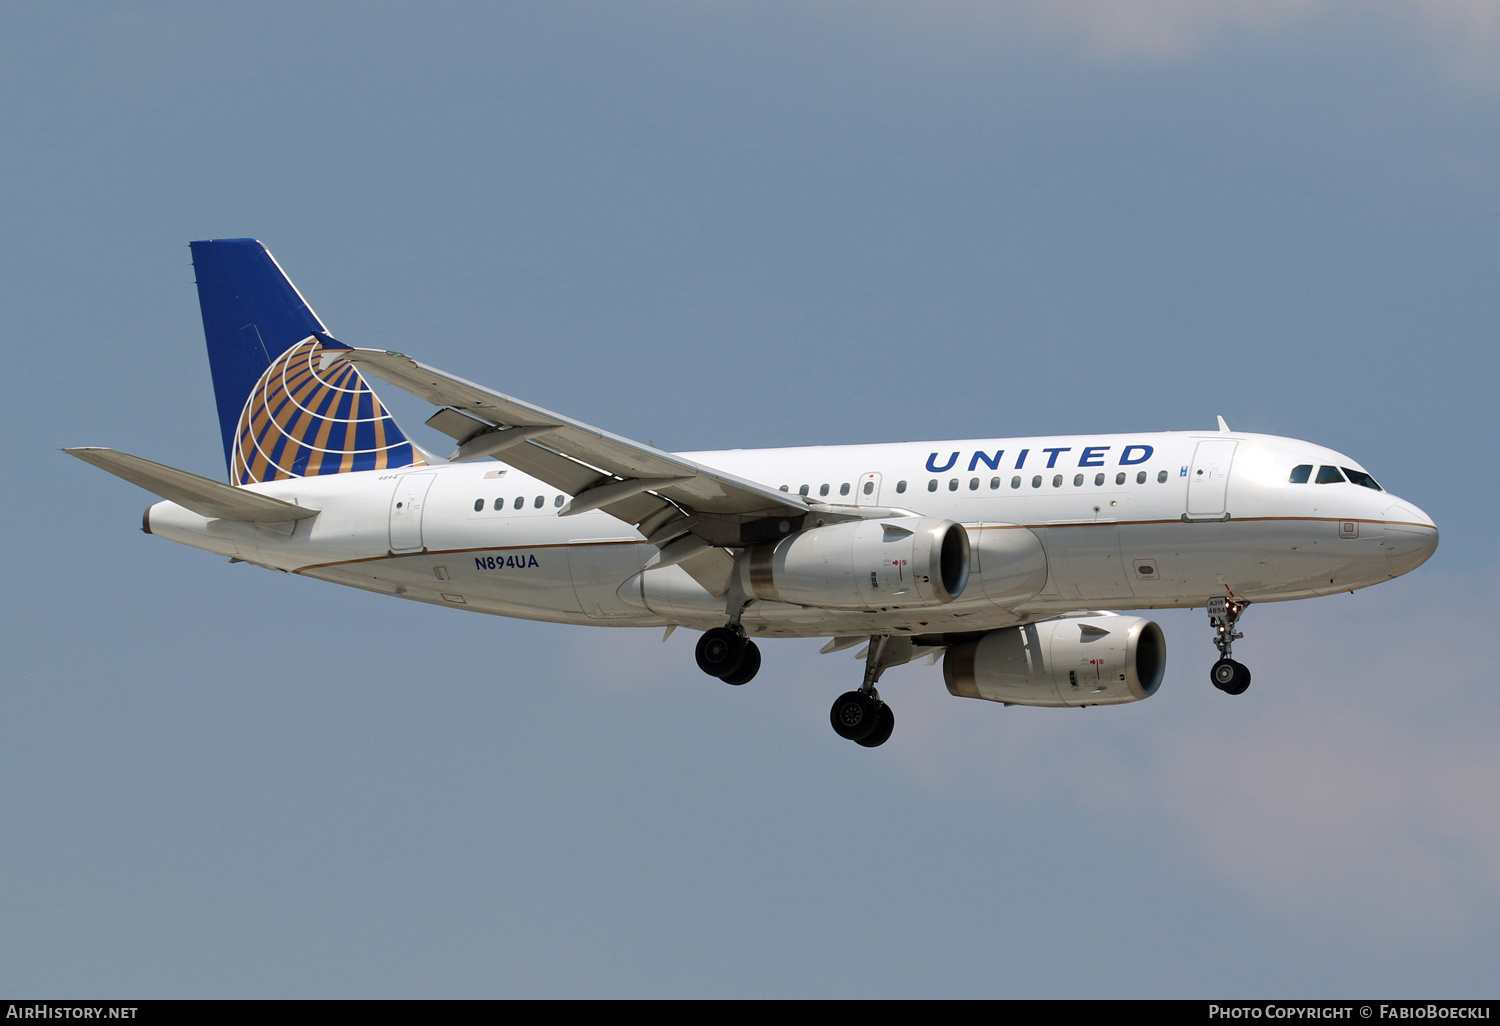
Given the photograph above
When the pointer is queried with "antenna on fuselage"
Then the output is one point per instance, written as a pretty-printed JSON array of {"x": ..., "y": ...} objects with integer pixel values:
[{"x": 1222, "y": 425}]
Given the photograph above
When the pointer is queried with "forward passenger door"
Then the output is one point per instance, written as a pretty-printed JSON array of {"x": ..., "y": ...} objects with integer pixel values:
[{"x": 1208, "y": 478}]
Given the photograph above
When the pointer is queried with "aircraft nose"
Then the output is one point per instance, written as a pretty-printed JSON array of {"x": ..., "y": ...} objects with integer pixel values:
[{"x": 1410, "y": 538}]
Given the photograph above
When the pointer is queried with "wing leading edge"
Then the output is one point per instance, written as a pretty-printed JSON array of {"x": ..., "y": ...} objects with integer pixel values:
[{"x": 664, "y": 495}]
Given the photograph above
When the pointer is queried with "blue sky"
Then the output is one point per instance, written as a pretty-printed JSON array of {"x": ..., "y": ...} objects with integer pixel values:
[{"x": 736, "y": 224}]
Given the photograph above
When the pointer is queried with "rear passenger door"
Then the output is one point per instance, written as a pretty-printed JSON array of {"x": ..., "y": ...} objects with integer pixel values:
[{"x": 407, "y": 500}]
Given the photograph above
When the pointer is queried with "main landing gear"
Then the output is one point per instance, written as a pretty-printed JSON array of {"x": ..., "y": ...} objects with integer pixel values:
[
  {"x": 1228, "y": 675},
  {"x": 726, "y": 653},
  {"x": 860, "y": 716}
]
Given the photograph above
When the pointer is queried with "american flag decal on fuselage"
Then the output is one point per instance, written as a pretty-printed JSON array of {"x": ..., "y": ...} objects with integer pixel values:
[{"x": 311, "y": 414}]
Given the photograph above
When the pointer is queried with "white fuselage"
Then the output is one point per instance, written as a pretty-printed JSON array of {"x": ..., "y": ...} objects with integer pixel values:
[{"x": 1118, "y": 521}]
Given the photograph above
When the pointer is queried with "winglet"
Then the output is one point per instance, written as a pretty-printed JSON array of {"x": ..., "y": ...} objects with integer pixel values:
[{"x": 1223, "y": 426}]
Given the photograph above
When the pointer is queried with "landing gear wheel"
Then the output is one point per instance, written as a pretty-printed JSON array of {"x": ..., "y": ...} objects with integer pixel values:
[
  {"x": 884, "y": 724},
  {"x": 1230, "y": 676},
  {"x": 855, "y": 715},
  {"x": 720, "y": 652},
  {"x": 749, "y": 666}
]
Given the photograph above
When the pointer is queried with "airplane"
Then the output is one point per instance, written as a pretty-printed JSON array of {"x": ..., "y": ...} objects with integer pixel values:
[{"x": 991, "y": 554}]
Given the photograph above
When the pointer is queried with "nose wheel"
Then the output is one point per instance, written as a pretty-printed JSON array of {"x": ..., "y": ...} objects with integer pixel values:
[{"x": 1228, "y": 675}]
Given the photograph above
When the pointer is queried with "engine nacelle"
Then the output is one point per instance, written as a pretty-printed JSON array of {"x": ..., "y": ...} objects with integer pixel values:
[
  {"x": 1086, "y": 660},
  {"x": 891, "y": 563}
]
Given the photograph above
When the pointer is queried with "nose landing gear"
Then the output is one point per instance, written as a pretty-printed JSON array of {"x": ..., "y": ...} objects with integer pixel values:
[{"x": 1228, "y": 675}]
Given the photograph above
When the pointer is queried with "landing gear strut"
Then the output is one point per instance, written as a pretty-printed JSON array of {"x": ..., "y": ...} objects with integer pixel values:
[
  {"x": 1228, "y": 675},
  {"x": 860, "y": 716},
  {"x": 725, "y": 652}
]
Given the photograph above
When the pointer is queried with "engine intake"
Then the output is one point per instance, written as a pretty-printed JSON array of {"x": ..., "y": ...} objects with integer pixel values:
[
  {"x": 891, "y": 563},
  {"x": 1084, "y": 660}
]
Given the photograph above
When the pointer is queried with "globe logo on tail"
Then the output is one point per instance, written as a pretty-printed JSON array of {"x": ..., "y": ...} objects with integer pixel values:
[{"x": 311, "y": 413}]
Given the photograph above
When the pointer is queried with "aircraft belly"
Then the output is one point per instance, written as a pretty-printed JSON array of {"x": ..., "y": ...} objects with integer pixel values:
[
  {"x": 1180, "y": 564},
  {"x": 1007, "y": 564},
  {"x": 531, "y": 583},
  {"x": 598, "y": 570},
  {"x": 1084, "y": 562}
]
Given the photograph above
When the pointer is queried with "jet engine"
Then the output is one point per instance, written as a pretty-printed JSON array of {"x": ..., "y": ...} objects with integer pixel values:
[
  {"x": 1096, "y": 659},
  {"x": 890, "y": 563}
]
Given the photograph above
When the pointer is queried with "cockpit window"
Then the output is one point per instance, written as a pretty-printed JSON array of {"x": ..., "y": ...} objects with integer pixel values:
[
  {"x": 1301, "y": 473},
  {"x": 1329, "y": 475},
  {"x": 1359, "y": 477}
]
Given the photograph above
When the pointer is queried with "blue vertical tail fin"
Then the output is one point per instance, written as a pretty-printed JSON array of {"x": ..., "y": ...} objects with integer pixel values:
[{"x": 289, "y": 404}]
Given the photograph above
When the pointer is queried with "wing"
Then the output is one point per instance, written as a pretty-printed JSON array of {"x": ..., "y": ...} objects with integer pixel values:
[{"x": 673, "y": 501}]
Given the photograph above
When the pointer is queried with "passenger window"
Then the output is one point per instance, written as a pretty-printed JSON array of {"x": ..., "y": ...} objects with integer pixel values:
[
  {"x": 1300, "y": 474},
  {"x": 499, "y": 505},
  {"x": 478, "y": 505},
  {"x": 994, "y": 483},
  {"x": 1140, "y": 477},
  {"x": 973, "y": 484},
  {"x": 823, "y": 490},
  {"x": 1329, "y": 475},
  {"x": 1359, "y": 477},
  {"x": 1161, "y": 477},
  {"x": 844, "y": 488},
  {"x": 1015, "y": 482},
  {"x": 557, "y": 500},
  {"x": 1036, "y": 482},
  {"x": 539, "y": 500},
  {"x": 520, "y": 501},
  {"x": 786, "y": 488},
  {"x": 1056, "y": 480},
  {"x": 932, "y": 485},
  {"x": 900, "y": 487},
  {"x": 953, "y": 484},
  {"x": 1098, "y": 480},
  {"x": 1077, "y": 480},
  {"x": 802, "y": 491},
  {"x": 1120, "y": 478},
  {"x": 869, "y": 487}
]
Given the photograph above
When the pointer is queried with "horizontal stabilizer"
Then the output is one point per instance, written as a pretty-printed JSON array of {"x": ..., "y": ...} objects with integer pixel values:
[{"x": 202, "y": 495}]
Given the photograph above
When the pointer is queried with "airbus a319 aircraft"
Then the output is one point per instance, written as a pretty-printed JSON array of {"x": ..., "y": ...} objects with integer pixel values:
[{"x": 992, "y": 554}]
